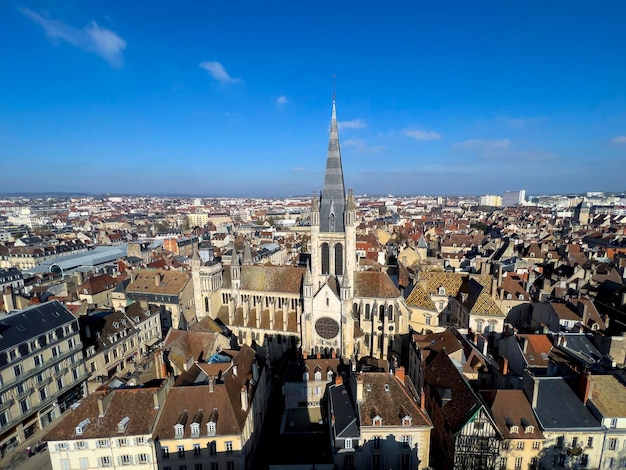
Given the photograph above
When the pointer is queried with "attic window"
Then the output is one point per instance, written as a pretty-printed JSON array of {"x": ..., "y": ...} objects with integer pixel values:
[
  {"x": 406, "y": 421},
  {"x": 442, "y": 290},
  {"x": 386, "y": 387},
  {"x": 116, "y": 324},
  {"x": 210, "y": 428},
  {"x": 179, "y": 431},
  {"x": 195, "y": 429},
  {"x": 521, "y": 297},
  {"x": 123, "y": 424},
  {"x": 529, "y": 429},
  {"x": 377, "y": 421},
  {"x": 514, "y": 429},
  {"x": 368, "y": 387},
  {"x": 509, "y": 296},
  {"x": 80, "y": 429}
]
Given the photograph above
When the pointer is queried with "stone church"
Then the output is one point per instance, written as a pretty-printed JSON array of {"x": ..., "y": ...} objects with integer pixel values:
[{"x": 333, "y": 306}]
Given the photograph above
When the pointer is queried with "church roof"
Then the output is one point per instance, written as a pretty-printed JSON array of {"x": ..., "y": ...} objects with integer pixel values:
[
  {"x": 374, "y": 284},
  {"x": 287, "y": 279}
]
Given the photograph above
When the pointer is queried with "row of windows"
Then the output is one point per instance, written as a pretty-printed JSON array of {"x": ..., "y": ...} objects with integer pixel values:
[
  {"x": 210, "y": 466},
  {"x": 211, "y": 446},
  {"x": 32, "y": 346},
  {"x": 107, "y": 461},
  {"x": 369, "y": 313}
]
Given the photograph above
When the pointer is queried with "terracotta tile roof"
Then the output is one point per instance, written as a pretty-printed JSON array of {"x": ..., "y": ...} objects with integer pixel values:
[
  {"x": 97, "y": 284},
  {"x": 442, "y": 374},
  {"x": 374, "y": 284},
  {"x": 437, "y": 341},
  {"x": 392, "y": 405},
  {"x": 170, "y": 282},
  {"x": 608, "y": 395},
  {"x": 511, "y": 408},
  {"x": 515, "y": 288},
  {"x": 287, "y": 279},
  {"x": 136, "y": 404},
  {"x": 564, "y": 312},
  {"x": 537, "y": 349},
  {"x": 226, "y": 398},
  {"x": 183, "y": 345}
]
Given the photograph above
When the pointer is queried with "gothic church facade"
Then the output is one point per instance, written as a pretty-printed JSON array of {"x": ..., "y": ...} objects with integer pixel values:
[{"x": 332, "y": 306}]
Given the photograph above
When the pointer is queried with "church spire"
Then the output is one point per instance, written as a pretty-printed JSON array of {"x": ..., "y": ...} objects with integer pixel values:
[{"x": 333, "y": 194}]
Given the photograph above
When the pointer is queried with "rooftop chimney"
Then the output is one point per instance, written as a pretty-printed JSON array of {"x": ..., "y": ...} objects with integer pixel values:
[
  {"x": 359, "y": 388},
  {"x": 400, "y": 373},
  {"x": 211, "y": 384},
  {"x": 8, "y": 299},
  {"x": 244, "y": 398}
]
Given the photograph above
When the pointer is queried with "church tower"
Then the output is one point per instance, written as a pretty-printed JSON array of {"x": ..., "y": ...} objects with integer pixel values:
[
  {"x": 333, "y": 224},
  {"x": 327, "y": 322}
]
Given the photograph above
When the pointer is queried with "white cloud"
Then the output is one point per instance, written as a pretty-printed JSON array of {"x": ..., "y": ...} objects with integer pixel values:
[
  {"x": 422, "y": 135},
  {"x": 218, "y": 72},
  {"x": 620, "y": 139},
  {"x": 282, "y": 100},
  {"x": 483, "y": 146},
  {"x": 362, "y": 147},
  {"x": 92, "y": 38},
  {"x": 354, "y": 124}
]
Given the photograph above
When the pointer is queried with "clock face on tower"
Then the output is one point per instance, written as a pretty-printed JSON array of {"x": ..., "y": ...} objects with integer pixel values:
[{"x": 327, "y": 328}]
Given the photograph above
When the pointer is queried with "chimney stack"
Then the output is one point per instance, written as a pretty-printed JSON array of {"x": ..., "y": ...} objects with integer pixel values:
[
  {"x": 400, "y": 373},
  {"x": 157, "y": 280},
  {"x": 7, "y": 297},
  {"x": 359, "y": 388},
  {"x": 211, "y": 384},
  {"x": 244, "y": 398}
]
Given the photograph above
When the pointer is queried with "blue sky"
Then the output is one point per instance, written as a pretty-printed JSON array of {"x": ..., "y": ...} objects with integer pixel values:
[{"x": 234, "y": 98}]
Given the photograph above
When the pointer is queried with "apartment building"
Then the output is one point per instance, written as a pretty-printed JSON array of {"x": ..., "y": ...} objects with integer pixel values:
[{"x": 41, "y": 369}]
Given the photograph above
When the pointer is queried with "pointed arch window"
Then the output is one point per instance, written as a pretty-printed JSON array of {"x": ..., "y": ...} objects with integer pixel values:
[
  {"x": 391, "y": 313},
  {"x": 325, "y": 259},
  {"x": 367, "y": 311},
  {"x": 338, "y": 259},
  {"x": 381, "y": 314},
  {"x": 206, "y": 304}
]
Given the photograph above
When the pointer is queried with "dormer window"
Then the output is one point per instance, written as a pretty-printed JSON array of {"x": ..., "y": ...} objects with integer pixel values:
[
  {"x": 529, "y": 429},
  {"x": 509, "y": 296},
  {"x": 521, "y": 297},
  {"x": 514, "y": 429},
  {"x": 406, "y": 421},
  {"x": 329, "y": 376},
  {"x": 442, "y": 290},
  {"x": 210, "y": 428},
  {"x": 377, "y": 421},
  {"x": 123, "y": 424},
  {"x": 179, "y": 431},
  {"x": 80, "y": 429},
  {"x": 305, "y": 377},
  {"x": 195, "y": 429},
  {"x": 318, "y": 375}
]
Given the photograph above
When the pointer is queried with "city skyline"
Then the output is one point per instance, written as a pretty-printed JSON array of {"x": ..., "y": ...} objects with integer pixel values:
[{"x": 234, "y": 100}]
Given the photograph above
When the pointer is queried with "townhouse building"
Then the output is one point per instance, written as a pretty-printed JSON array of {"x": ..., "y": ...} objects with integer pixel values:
[{"x": 110, "y": 429}]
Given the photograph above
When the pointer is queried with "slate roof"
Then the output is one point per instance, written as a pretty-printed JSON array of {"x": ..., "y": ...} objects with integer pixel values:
[
  {"x": 558, "y": 407},
  {"x": 33, "y": 321},
  {"x": 136, "y": 404},
  {"x": 343, "y": 411},
  {"x": 374, "y": 284},
  {"x": 392, "y": 405},
  {"x": 287, "y": 279}
]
